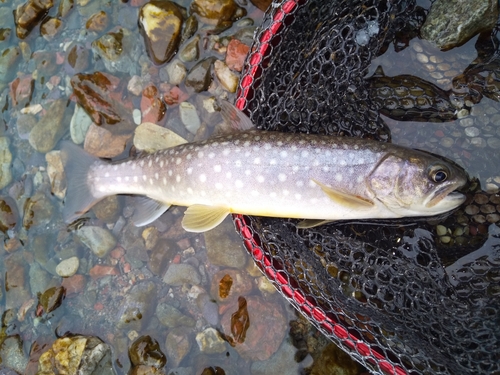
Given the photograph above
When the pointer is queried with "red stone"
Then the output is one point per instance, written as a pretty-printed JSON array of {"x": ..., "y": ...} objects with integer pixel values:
[
  {"x": 21, "y": 90},
  {"x": 175, "y": 96},
  {"x": 98, "y": 306},
  {"x": 99, "y": 271},
  {"x": 74, "y": 284},
  {"x": 126, "y": 268},
  {"x": 117, "y": 253},
  {"x": 177, "y": 259},
  {"x": 152, "y": 106},
  {"x": 236, "y": 54}
]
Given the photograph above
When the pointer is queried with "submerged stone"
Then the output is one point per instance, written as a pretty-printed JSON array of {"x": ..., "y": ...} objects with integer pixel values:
[
  {"x": 5, "y": 162},
  {"x": 146, "y": 351},
  {"x": 29, "y": 14}
]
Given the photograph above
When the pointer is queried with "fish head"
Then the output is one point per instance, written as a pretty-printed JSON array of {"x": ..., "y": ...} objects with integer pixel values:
[{"x": 417, "y": 183}]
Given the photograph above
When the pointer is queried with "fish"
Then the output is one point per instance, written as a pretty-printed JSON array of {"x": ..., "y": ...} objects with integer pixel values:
[{"x": 316, "y": 178}]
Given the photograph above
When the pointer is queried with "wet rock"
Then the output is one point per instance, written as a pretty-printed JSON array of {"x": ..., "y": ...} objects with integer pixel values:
[
  {"x": 46, "y": 64},
  {"x": 55, "y": 171},
  {"x": 191, "y": 51},
  {"x": 97, "y": 22},
  {"x": 16, "y": 289},
  {"x": 170, "y": 317},
  {"x": 162, "y": 254},
  {"x": 99, "y": 271},
  {"x": 448, "y": 29},
  {"x": 177, "y": 346},
  {"x": 210, "y": 342},
  {"x": 65, "y": 6},
  {"x": 79, "y": 125},
  {"x": 209, "y": 309},
  {"x": 199, "y": 77},
  {"x": 150, "y": 237},
  {"x": 138, "y": 306},
  {"x": 145, "y": 370},
  {"x": 29, "y": 14},
  {"x": 12, "y": 354},
  {"x": 99, "y": 240},
  {"x": 103, "y": 143},
  {"x": 146, "y": 351},
  {"x": 176, "y": 72},
  {"x": 50, "y": 27},
  {"x": 49, "y": 130},
  {"x": 9, "y": 214},
  {"x": 224, "y": 246},
  {"x": 153, "y": 107},
  {"x": 179, "y": 274},
  {"x": 161, "y": 24},
  {"x": 236, "y": 54},
  {"x": 50, "y": 300},
  {"x": 83, "y": 355},
  {"x": 21, "y": 90},
  {"x": 226, "y": 77},
  {"x": 116, "y": 48},
  {"x": 151, "y": 137},
  {"x": 5, "y": 162},
  {"x": 8, "y": 60},
  {"x": 135, "y": 85},
  {"x": 107, "y": 209},
  {"x": 261, "y": 4},
  {"x": 213, "y": 370},
  {"x": 190, "y": 28},
  {"x": 189, "y": 117},
  {"x": 100, "y": 95},
  {"x": 228, "y": 284},
  {"x": 38, "y": 211},
  {"x": 74, "y": 284},
  {"x": 77, "y": 59},
  {"x": 217, "y": 12},
  {"x": 266, "y": 328},
  {"x": 68, "y": 267}
]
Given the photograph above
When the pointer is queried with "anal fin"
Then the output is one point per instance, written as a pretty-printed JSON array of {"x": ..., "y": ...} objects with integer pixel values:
[
  {"x": 147, "y": 210},
  {"x": 346, "y": 200},
  {"x": 200, "y": 218}
]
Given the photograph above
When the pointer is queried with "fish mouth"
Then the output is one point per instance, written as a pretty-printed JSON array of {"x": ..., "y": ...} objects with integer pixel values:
[{"x": 446, "y": 196}]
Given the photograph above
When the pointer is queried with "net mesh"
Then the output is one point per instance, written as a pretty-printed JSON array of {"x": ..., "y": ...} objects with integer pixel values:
[{"x": 392, "y": 295}]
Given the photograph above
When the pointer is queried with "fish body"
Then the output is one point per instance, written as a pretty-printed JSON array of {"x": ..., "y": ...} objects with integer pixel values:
[{"x": 271, "y": 174}]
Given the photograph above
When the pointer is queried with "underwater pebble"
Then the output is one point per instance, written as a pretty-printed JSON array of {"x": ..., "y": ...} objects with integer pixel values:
[
  {"x": 189, "y": 117},
  {"x": 137, "y": 116},
  {"x": 227, "y": 78},
  {"x": 47, "y": 132},
  {"x": 224, "y": 246},
  {"x": 179, "y": 274},
  {"x": 8, "y": 60},
  {"x": 210, "y": 342},
  {"x": 79, "y": 125},
  {"x": 135, "y": 85},
  {"x": 171, "y": 317},
  {"x": 199, "y": 77},
  {"x": 472, "y": 131},
  {"x": 12, "y": 354},
  {"x": 146, "y": 351},
  {"x": 5, "y": 162},
  {"x": 151, "y": 137},
  {"x": 191, "y": 51},
  {"x": 138, "y": 306},
  {"x": 176, "y": 72},
  {"x": 55, "y": 171},
  {"x": 177, "y": 346},
  {"x": 68, "y": 267},
  {"x": 99, "y": 240}
]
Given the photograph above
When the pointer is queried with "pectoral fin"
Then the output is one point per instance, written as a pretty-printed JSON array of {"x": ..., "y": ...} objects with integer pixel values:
[
  {"x": 311, "y": 223},
  {"x": 200, "y": 218},
  {"x": 343, "y": 199},
  {"x": 147, "y": 210}
]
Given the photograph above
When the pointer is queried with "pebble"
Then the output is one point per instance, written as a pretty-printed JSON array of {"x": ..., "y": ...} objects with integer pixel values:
[
  {"x": 115, "y": 49},
  {"x": 55, "y": 171},
  {"x": 74, "y": 284},
  {"x": 9, "y": 214},
  {"x": 236, "y": 54},
  {"x": 102, "y": 143},
  {"x": 161, "y": 255},
  {"x": 179, "y": 274},
  {"x": 216, "y": 13},
  {"x": 171, "y": 317},
  {"x": 138, "y": 306},
  {"x": 5, "y": 162},
  {"x": 38, "y": 211},
  {"x": 177, "y": 346},
  {"x": 12, "y": 354},
  {"x": 226, "y": 77},
  {"x": 472, "y": 131},
  {"x": 79, "y": 125},
  {"x": 191, "y": 51},
  {"x": 146, "y": 351},
  {"x": 176, "y": 72},
  {"x": 189, "y": 117},
  {"x": 108, "y": 209},
  {"x": 199, "y": 77},
  {"x": 99, "y": 240},
  {"x": 151, "y": 137},
  {"x": 135, "y": 85},
  {"x": 153, "y": 107},
  {"x": 68, "y": 267},
  {"x": 210, "y": 342},
  {"x": 49, "y": 130},
  {"x": 224, "y": 246}
]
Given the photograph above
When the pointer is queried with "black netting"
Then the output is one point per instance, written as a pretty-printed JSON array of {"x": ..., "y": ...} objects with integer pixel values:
[{"x": 399, "y": 297}]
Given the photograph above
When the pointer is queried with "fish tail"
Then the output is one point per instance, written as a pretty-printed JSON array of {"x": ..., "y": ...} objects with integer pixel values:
[{"x": 79, "y": 195}]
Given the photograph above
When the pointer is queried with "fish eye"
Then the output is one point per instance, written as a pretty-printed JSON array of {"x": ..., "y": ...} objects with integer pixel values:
[{"x": 439, "y": 175}]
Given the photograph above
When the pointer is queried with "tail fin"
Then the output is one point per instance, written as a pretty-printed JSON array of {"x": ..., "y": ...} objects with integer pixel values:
[{"x": 79, "y": 197}]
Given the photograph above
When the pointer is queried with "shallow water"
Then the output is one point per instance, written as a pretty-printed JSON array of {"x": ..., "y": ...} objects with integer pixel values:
[{"x": 111, "y": 284}]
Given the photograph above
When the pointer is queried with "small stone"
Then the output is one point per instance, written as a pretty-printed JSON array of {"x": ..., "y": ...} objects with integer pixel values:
[
  {"x": 189, "y": 117},
  {"x": 176, "y": 72},
  {"x": 160, "y": 25},
  {"x": 29, "y": 14},
  {"x": 102, "y": 143},
  {"x": 216, "y": 12},
  {"x": 97, "y": 22},
  {"x": 199, "y": 77},
  {"x": 99, "y": 271},
  {"x": 224, "y": 246},
  {"x": 226, "y": 77},
  {"x": 38, "y": 211},
  {"x": 79, "y": 125},
  {"x": 151, "y": 137},
  {"x": 146, "y": 351},
  {"x": 210, "y": 342},
  {"x": 115, "y": 49},
  {"x": 153, "y": 107},
  {"x": 50, "y": 27},
  {"x": 261, "y": 4},
  {"x": 191, "y": 51},
  {"x": 77, "y": 58},
  {"x": 161, "y": 255},
  {"x": 179, "y": 274},
  {"x": 494, "y": 143},
  {"x": 228, "y": 284},
  {"x": 55, "y": 171},
  {"x": 107, "y": 209},
  {"x": 49, "y": 130},
  {"x": 265, "y": 285},
  {"x": 472, "y": 131},
  {"x": 236, "y": 54},
  {"x": 138, "y": 306},
  {"x": 177, "y": 346},
  {"x": 171, "y": 317},
  {"x": 68, "y": 267},
  {"x": 441, "y": 230},
  {"x": 8, "y": 60},
  {"x": 135, "y": 85},
  {"x": 50, "y": 300},
  {"x": 12, "y": 354},
  {"x": 99, "y": 240},
  {"x": 21, "y": 90},
  {"x": 74, "y": 284},
  {"x": 5, "y": 162},
  {"x": 150, "y": 237}
]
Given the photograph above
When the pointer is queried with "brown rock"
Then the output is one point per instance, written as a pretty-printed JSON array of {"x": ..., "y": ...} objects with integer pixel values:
[
  {"x": 27, "y": 15},
  {"x": 74, "y": 284},
  {"x": 55, "y": 171},
  {"x": 49, "y": 130},
  {"x": 161, "y": 25},
  {"x": 266, "y": 328},
  {"x": 236, "y": 54},
  {"x": 103, "y": 143},
  {"x": 107, "y": 209},
  {"x": 153, "y": 107},
  {"x": 97, "y": 22},
  {"x": 216, "y": 12},
  {"x": 99, "y": 271},
  {"x": 9, "y": 214},
  {"x": 21, "y": 90},
  {"x": 161, "y": 255},
  {"x": 50, "y": 27}
]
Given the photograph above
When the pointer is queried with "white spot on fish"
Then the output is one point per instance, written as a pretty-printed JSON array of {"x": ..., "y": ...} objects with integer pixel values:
[
  {"x": 203, "y": 193},
  {"x": 172, "y": 188},
  {"x": 217, "y": 168},
  {"x": 171, "y": 152},
  {"x": 267, "y": 146},
  {"x": 106, "y": 174},
  {"x": 200, "y": 154},
  {"x": 279, "y": 143},
  {"x": 238, "y": 184},
  {"x": 203, "y": 177},
  {"x": 294, "y": 148},
  {"x": 359, "y": 179},
  {"x": 254, "y": 193},
  {"x": 133, "y": 166},
  {"x": 136, "y": 179},
  {"x": 229, "y": 175},
  {"x": 283, "y": 154},
  {"x": 170, "y": 172},
  {"x": 260, "y": 178},
  {"x": 101, "y": 188},
  {"x": 115, "y": 168},
  {"x": 304, "y": 153},
  {"x": 127, "y": 178},
  {"x": 157, "y": 175},
  {"x": 343, "y": 162},
  {"x": 326, "y": 168},
  {"x": 256, "y": 161},
  {"x": 248, "y": 172},
  {"x": 189, "y": 156},
  {"x": 189, "y": 170},
  {"x": 151, "y": 182},
  {"x": 164, "y": 180},
  {"x": 238, "y": 163},
  {"x": 312, "y": 183},
  {"x": 226, "y": 152},
  {"x": 286, "y": 193},
  {"x": 144, "y": 177},
  {"x": 273, "y": 162},
  {"x": 219, "y": 186},
  {"x": 298, "y": 196},
  {"x": 338, "y": 177},
  {"x": 295, "y": 168},
  {"x": 161, "y": 164},
  {"x": 246, "y": 144},
  {"x": 299, "y": 183},
  {"x": 257, "y": 138},
  {"x": 211, "y": 155},
  {"x": 273, "y": 194},
  {"x": 282, "y": 177},
  {"x": 150, "y": 163},
  {"x": 178, "y": 178},
  {"x": 189, "y": 190},
  {"x": 315, "y": 162},
  {"x": 141, "y": 163},
  {"x": 247, "y": 154},
  {"x": 119, "y": 179},
  {"x": 178, "y": 161}
]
